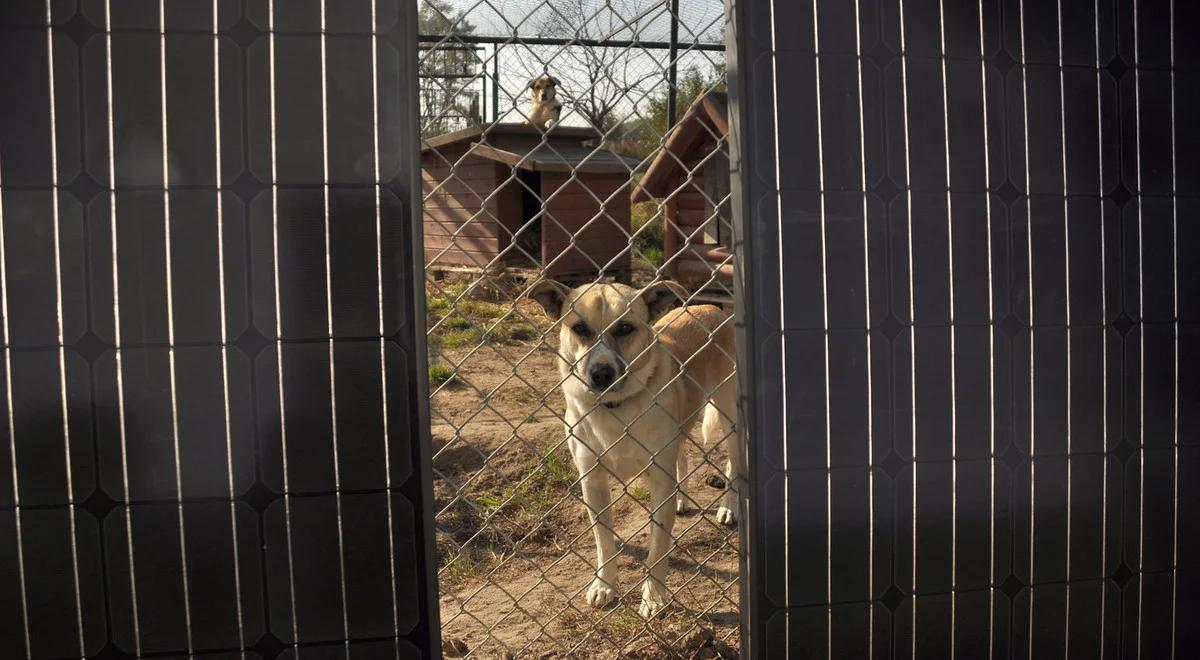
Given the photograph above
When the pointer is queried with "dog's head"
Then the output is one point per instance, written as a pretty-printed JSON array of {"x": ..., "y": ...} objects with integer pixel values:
[
  {"x": 605, "y": 331},
  {"x": 544, "y": 88}
]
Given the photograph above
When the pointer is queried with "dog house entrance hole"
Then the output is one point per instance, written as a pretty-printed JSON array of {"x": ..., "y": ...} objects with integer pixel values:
[{"x": 529, "y": 236}]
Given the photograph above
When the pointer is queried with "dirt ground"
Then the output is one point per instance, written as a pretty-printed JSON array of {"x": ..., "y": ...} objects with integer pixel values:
[{"x": 515, "y": 547}]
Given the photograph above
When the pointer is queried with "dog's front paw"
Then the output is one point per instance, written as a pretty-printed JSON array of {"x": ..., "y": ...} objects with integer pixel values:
[
  {"x": 600, "y": 593},
  {"x": 726, "y": 516},
  {"x": 727, "y": 512},
  {"x": 654, "y": 599}
]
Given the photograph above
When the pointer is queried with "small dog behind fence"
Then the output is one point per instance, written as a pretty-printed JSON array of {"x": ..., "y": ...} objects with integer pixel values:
[{"x": 547, "y": 110}]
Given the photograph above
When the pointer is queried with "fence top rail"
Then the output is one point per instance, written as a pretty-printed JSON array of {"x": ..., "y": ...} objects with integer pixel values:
[
  {"x": 508, "y": 128},
  {"x": 515, "y": 39}
]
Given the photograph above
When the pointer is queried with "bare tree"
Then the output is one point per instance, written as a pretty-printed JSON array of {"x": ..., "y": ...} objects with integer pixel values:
[{"x": 597, "y": 80}]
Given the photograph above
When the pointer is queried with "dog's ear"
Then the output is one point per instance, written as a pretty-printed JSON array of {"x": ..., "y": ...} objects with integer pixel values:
[
  {"x": 661, "y": 296},
  {"x": 553, "y": 80},
  {"x": 532, "y": 83},
  {"x": 550, "y": 295}
]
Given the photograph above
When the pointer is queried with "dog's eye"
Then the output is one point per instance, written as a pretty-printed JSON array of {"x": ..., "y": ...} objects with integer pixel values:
[
  {"x": 623, "y": 328},
  {"x": 581, "y": 329}
]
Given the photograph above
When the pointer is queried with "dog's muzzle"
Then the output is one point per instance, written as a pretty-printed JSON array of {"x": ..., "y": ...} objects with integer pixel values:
[
  {"x": 604, "y": 367},
  {"x": 602, "y": 376}
]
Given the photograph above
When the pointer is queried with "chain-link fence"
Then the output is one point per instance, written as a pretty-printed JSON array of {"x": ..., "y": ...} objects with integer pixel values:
[{"x": 575, "y": 413}]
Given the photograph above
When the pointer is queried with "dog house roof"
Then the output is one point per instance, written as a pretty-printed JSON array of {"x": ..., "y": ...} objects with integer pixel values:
[
  {"x": 705, "y": 120},
  {"x": 521, "y": 145}
]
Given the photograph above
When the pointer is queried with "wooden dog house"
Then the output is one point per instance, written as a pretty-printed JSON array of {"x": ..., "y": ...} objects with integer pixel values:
[
  {"x": 499, "y": 196},
  {"x": 691, "y": 176}
]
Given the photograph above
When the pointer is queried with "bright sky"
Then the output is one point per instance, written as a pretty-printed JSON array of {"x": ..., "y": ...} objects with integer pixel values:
[
  {"x": 641, "y": 71},
  {"x": 700, "y": 20}
]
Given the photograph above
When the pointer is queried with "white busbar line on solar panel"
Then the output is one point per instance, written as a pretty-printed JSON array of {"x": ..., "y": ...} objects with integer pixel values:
[
  {"x": 333, "y": 419},
  {"x": 116, "y": 282},
  {"x": 953, "y": 340},
  {"x": 166, "y": 182},
  {"x": 912, "y": 317},
  {"x": 58, "y": 330},
  {"x": 12, "y": 440},
  {"x": 224, "y": 330},
  {"x": 783, "y": 408},
  {"x": 862, "y": 160},
  {"x": 1104, "y": 335},
  {"x": 1029, "y": 251},
  {"x": 1175, "y": 329},
  {"x": 283, "y": 449},
  {"x": 1062, "y": 104},
  {"x": 1141, "y": 330},
  {"x": 987, "y": 186},
  {"x": 825, "y": 339},
  {"x": 383, "y": 387}
]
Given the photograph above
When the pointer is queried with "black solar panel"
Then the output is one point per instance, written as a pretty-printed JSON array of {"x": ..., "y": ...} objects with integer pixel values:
[
  {"x": 966, "y": 251},
  {"x": 211, "y": 395}
]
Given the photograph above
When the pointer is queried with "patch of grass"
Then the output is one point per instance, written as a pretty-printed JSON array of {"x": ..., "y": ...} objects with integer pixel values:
[
  {"x": 532, "y": 495},
  {"x": 460, "y": 568},
  {"x": 645, "y": 212},
  {"x": 440, "y": 373},
  {"x": 465, "y": 322},
  {"x": 508, "y": 331},
  {"x": 457, "y": 323},
  {"x": 478, "y": 309},
  {"x": 559, "y": 467},
  {"x": 653, "y": 254},
  {"x": 490, "y": 502},
  {"x": 460, "y": 338},
  {"x": 518, "y": 331},
  {"x": 448, "y": 290},
  {"x": 640, "y": 493},
  {"x": 622, "y": 623},
  {"x": 646, "y": 223}
]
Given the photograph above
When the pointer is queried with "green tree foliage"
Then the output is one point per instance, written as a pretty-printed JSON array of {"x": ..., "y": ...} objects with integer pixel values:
[
  {"x": 448, "y": 70},
  {"x": 692, "y": 83}
]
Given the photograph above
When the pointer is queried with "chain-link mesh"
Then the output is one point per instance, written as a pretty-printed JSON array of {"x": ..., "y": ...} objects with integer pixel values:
[{"x": 630, "y": 185}]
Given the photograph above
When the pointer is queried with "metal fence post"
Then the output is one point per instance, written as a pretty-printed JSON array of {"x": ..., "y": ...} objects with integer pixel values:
[
  {"x": 673, "y": 71},
  {"x": 496, "y": 83},
  {"x": 750, "y": 587}
]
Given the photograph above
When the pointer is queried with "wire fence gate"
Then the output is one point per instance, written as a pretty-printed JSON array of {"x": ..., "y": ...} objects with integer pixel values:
[
  {"x": 967, "y": 330},
  {"x": 584, "y": 492}
]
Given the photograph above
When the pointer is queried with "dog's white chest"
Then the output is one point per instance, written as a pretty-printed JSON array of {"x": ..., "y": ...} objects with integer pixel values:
[{"x": 627, "y": 438}]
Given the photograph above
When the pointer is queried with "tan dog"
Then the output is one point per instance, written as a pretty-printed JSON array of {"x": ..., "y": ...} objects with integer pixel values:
[
  {"x": 633, "y": 391},
  {"x": 546, "y": 110}
]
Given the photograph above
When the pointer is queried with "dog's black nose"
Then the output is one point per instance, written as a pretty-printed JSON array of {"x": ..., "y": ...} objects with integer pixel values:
[{"x": 602, "y": 375}]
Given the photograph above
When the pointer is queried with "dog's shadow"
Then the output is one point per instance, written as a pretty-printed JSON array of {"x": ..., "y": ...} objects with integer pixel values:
[
  {"x": 677, "y": 562},
  {"x": 722, "y": 618}
]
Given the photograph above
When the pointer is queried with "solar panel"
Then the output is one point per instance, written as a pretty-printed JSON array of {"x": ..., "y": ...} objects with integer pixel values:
[
  {"x": 211, "y": 436},
  {"x": 970, "y": 371}
]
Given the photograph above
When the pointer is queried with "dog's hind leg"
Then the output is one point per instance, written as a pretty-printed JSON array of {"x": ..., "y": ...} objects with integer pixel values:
[
  {"x": 719, "y": 426},
  {"x": 598, "y": 498},
  {"x": 655, "y": 594},
  {"x": 683, "y": 503}
]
